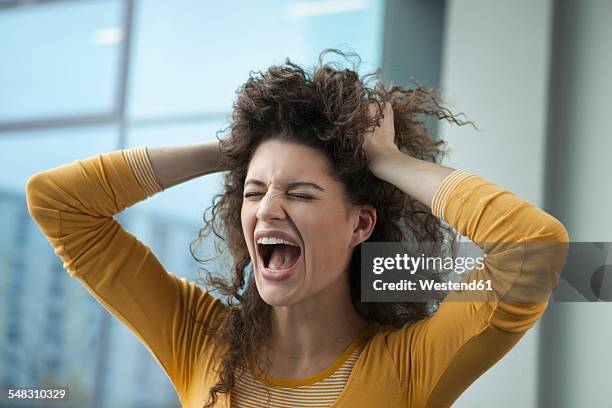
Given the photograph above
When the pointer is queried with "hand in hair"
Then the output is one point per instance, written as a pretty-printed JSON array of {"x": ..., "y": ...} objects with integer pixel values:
[
  {"x": 379, "y": 143},
  {"x": 417, "y": 178}
]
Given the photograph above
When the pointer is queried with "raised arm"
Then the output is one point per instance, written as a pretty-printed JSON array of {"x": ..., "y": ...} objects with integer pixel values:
[
  {"x": 439, "y": 357},
  {"x": 176, "y": 164},
  {"x": 74, "y": 205}
]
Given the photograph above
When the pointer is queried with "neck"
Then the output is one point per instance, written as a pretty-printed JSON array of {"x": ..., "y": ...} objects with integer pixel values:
[{"x": 318, "y": 329}]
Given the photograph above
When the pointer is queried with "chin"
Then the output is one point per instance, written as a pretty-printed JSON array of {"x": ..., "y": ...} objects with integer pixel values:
[{"x": 276, "y": 296}]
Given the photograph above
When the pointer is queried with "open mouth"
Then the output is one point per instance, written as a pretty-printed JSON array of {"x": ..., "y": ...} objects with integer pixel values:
[{"x": 278, "y": 257}]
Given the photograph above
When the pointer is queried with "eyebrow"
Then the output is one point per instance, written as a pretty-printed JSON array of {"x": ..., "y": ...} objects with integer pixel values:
[{"x": 290, "y": 186}]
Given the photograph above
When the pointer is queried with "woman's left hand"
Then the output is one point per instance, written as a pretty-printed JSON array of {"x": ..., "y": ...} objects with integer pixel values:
[{"x": 379, "y": 143}]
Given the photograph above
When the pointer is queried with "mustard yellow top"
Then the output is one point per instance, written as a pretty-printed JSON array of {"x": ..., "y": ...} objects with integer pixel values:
[
  {"x": 319, "y": 390},
  {"x": 426, "y": 364}
]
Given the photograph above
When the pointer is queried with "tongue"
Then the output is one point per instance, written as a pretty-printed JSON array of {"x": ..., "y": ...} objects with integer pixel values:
[{"x": 283, "y": 256}]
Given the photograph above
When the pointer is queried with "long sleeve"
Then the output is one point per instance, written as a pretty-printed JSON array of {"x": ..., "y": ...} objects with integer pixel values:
[
  {"x": 74, "y": 205},
  {"x": 438, "y": 357}
]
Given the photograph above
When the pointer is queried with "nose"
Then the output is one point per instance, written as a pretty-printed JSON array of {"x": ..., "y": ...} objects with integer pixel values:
[{"x": 270, "y": 207}]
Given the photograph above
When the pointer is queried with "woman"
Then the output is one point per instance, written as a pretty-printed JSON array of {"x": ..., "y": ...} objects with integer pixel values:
[{"x": 316, "y": 165}]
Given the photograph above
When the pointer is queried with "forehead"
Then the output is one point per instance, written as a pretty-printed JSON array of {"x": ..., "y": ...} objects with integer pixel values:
[{"x": 287, "y": 160}]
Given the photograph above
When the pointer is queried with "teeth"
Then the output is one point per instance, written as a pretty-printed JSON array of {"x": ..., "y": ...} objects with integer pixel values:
[{"x": 274, "y": 240}]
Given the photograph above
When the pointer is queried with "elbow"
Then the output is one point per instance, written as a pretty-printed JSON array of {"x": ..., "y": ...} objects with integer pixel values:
[
  {"x": 544, "y": 228},
  {"x": 563, "y": 235},
  {"x": 556, "y": 232},
  {"x": 40, "y": 207},
  {"x": 552, "y": 252},
  {"x": 31, "y": 191},
  {"x": 36, "y": 199},
  {"x": 544, "y": 260}
]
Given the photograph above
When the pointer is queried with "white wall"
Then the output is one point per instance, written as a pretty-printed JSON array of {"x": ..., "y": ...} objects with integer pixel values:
[
  {"x": 512, "y": 41},
  {"x": 577, "y": 351}
]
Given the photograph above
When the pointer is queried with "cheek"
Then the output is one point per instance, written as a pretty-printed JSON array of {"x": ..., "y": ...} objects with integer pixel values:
[
  {"x": 334, "y": 226},
  {"x": 244, "y": 220},
  {"x": 248, "y": 225},
  {"x": 329, "y": 234},
  {"x": 247, "y": 213}
]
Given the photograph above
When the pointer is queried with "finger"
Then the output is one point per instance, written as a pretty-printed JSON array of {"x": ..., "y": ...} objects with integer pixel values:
[
  {"x": 388, "y": 108},
  {"x": 372, "y": 109}
]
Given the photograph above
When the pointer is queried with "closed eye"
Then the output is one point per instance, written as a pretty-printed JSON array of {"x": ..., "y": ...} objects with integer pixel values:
[
  {"x": 296, "y": 195},
  {"x": 302, "y": 196}
]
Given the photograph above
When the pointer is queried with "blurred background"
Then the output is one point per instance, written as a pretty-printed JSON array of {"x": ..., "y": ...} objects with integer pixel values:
[{"x": 79, "y": 78}]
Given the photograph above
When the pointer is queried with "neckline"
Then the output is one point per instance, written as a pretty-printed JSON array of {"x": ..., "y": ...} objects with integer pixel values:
[
  {"x": 349, "y": 381},
  {"x": 290, "y": 383}
]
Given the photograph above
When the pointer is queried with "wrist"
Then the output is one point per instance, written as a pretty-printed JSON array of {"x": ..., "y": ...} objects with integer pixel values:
[{"x": 387, "y": 160}]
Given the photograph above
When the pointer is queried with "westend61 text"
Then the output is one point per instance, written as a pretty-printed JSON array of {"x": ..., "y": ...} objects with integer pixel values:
[{"x": 429, "y": 285}]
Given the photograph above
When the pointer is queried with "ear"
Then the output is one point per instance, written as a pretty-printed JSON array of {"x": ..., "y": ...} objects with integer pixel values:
[{"x": 364, "y": 220}]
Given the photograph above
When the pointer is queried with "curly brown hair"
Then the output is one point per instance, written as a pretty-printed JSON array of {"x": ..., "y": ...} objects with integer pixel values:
[{"x": 326, "y": 110}]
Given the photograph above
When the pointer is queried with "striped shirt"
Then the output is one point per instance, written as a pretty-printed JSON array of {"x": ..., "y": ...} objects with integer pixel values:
[{"x": 320, "y": 390}]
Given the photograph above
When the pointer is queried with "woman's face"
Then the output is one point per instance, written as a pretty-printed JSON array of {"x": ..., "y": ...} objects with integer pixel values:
[{"x": 288, "y": 195}]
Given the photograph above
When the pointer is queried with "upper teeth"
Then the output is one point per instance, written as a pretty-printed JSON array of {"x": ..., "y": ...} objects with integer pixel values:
[{"x": 273, "y": 240}]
